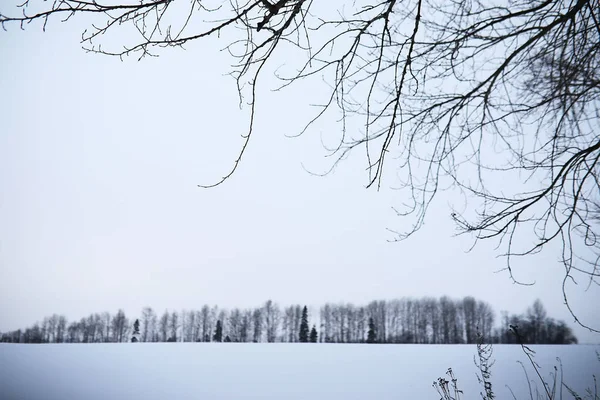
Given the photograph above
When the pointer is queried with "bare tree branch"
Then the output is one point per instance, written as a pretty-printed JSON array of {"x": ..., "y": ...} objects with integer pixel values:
[{"x": 461, "y": 95}]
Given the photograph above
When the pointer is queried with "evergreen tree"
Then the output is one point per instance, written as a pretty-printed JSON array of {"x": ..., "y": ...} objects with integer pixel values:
[
  {"x": 313, "y": 334},
  {"x": 218, "y": 336},
  {"x": 303, "y": 337},
  {"x": 227, "y": 339},
  {"x": 136, "y": 331},
  {"x": 371, "y": 334}
]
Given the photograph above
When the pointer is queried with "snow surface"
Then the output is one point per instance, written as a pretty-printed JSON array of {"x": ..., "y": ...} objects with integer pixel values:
[{"x": 180, "y": 371}]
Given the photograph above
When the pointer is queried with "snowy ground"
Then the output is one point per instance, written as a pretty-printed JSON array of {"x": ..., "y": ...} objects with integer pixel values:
[{"x": 181, "y": 371}]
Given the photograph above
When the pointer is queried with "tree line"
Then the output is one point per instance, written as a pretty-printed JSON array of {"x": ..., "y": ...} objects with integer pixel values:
[{"x": 406, "y": 320}]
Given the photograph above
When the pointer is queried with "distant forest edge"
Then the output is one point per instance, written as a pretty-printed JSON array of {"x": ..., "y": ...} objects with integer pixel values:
[{"x": 405, "y": 320}]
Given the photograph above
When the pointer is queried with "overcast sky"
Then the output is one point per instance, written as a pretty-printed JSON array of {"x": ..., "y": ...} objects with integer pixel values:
[{"x": 100, "y": 209}]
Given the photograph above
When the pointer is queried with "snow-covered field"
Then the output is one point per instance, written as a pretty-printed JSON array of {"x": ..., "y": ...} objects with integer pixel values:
[{"x": 180, "y": 371}]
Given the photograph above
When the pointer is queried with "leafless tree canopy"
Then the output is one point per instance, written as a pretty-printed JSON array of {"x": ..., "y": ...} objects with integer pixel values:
[{"x": 462, "y": 94}]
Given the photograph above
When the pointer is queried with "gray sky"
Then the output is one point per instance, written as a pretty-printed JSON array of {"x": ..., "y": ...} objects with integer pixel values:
[{"x": 100, "y": 209}]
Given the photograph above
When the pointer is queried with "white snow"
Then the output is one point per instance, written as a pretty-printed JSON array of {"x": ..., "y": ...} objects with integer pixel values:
[{"x": 180, "y": 371}]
